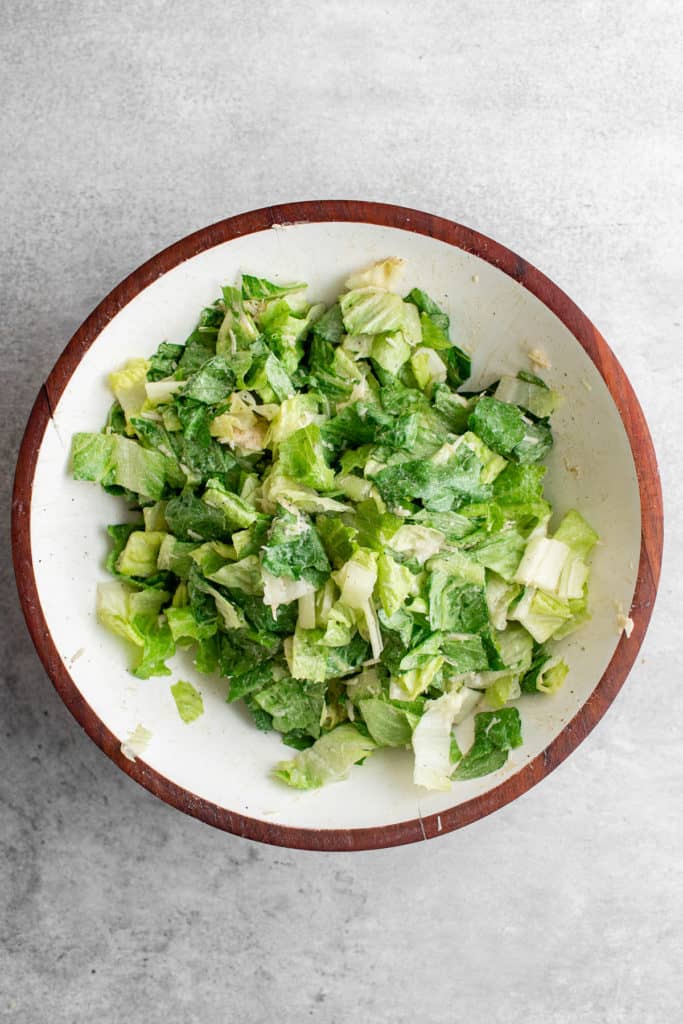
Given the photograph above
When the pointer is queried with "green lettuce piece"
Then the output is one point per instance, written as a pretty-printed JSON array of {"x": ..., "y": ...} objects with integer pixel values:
[
  {"x": 453, "y": 408},
  {"x": 409, "y": 685},
  {"x": 297, "y": 739},
  {"x": 327, "y": 374},
  {"x": 495, "y": 733},
  {"x": 390, "y": 350},
  {"x": 139, "y": 557},
  {"x": 113, "y": 460},
  {"x": 119, "y": 533},
  {"x": 541, "y": 614},
  {"x": 306, "y": 655},
  {"x": 344, "y": 661},
  {"x": 135, "y": 616},
  {"x": 127, "y": 611},
  {"x": 188, "y": 701},
  {"x": 260, "y": 288},
  {"x": 165, "y": 361},
  {"x": 375, "y": 529},
  {"x": 340, "y": 626},
  {"x": 237, "y": 329},
  {"x": 283, "y": 590},
  {"x": 425, "y": 304},
  {"x": 357, "y": 577},
  {"x": 371, "y": 311},
  {"x": 501, "y": 552},
  {"x": 504, "y": 689},
  {"x": 432, "y": 335},
  {"x": 330, "y": 327},
  {"x": 244, "y": 574},
  {"x": 542, "y": 563},
  {"x": 452, "y": 525},
  {"x": 429, "y": 368},
  {"x": 575, "y": 532},
  {"x": 199, "y": 347},
  {"x": 278, "y": 378},
  {"x": 309, "y": 658},
  {"x": 116, "y": 420},
  {"x": 250, "y": 541},
  {"x": 158, "y": 646},
  {"x": 294, "y": 549},
  {"x": 400, "y": 622},
  {"x": 573, "y": 579},
  {"x": 411, "y": 329},
  {"x": 492, "y": 464},
  {"x": 421, "y": 653},
  {"x": 184, "y": 625},
  {"x": 265, "y": 374},
  {"x": 293, "y": 704},
  {"x": 535, "y": 444},
  {"x": 229, "y": 613},
  {"x": 128, "y": 385},
  {"x": 212, "y": 556},
  {"x": 499, "y": 596},
  {"x": 213, "y": 382},
  {"x": 370, "y": 682},
  {"x": 359, "y": 423},
  {"x": 528, "y": 392},
  {"x": 440, "y": 486},
  {"x": 256, "y": 678},
  {"x": 154, "y": 517},
  {"x": 546, "y": 674},
  {"x": 278, "y": 488},
  {"x": 499, "y": 425},
  {"x": 294, "y": 414},
  {"x": 457, "y": 606},
  {"x": 388, "y": 725},
  {"x": 515, "y": 646},
  {"x": 284, "y": 331},
  {"x": 302, "y": 458},
  {"x": 261, "y": 719},
  {"x": 465, "y": 652},
  {"x": 432, "y": 742},
  {"x": 458, "y": 564},
  {"x": 330, "y": 759},
  {"x": 191, "y": 519},
  {"x": 238, "y": 514},
  {"x": 418, "y": 542},
  {"x": 338, "y": 539},
  {"x": 394, "y": 583},
  {"x": 196, "y": 449},
  {"x": 457, "y": 362},
  {"x": 552, "y": 675},
  {"x": 519, "y": 485}
]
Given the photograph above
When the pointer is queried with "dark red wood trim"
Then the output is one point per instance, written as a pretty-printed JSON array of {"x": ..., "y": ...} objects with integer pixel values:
[{"x": 622, "y": 393}]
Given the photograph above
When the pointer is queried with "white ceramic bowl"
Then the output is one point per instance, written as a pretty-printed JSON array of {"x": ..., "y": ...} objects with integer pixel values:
[{"x": 501, "y": 308}]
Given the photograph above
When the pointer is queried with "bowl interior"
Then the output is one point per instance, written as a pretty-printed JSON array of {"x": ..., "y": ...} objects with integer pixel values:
[{"x": 222, "y": 757}]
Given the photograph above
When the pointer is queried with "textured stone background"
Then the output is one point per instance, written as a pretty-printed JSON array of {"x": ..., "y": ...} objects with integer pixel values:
[{"x": 557, "y": 128}]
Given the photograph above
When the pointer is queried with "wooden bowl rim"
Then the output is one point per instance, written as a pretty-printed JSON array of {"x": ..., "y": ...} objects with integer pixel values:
[{"x": 643, "y": 455}]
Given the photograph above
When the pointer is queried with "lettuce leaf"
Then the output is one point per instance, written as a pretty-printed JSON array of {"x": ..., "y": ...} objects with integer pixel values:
[
  {"x": 495, "y": 734},
  {"x": 188, "y": 701},
  {"x": 330, "y": 759}
]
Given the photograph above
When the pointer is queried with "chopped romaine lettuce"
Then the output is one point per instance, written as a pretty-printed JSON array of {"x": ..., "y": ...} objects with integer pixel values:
[
  {"x": 188, "y": 701},
  {"x": 330, "y": 759},
  {"x": 363, "y": 553}
]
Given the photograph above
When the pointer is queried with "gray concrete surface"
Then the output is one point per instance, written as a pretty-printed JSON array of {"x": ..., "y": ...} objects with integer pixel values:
[{"x": 557, "y": 128}]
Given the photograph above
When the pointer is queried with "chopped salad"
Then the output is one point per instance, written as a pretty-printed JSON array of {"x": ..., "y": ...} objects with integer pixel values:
[{"x": 328, "y": 519}]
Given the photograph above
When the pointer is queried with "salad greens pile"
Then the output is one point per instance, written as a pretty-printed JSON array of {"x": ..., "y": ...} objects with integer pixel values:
[{"x": 333, "y": 525}]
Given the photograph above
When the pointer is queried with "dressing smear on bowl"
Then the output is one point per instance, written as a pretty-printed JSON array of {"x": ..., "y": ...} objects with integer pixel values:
[{"x": 331, "y": 521}]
